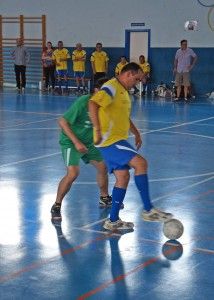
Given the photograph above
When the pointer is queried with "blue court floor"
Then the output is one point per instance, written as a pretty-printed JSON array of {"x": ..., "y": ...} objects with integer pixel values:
[{"x": 79, "y": 259}]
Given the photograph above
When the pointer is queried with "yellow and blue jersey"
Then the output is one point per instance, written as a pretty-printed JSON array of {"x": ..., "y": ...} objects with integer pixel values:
[
  {"x": 99, "y": 59},
  {"x": 79, "y": 65},
  {"x": 145, "y": 67},
  {"x": 119, "y": 67},
  {"x": 59, "y": 54},
  {"x": 114, "y": 112}
]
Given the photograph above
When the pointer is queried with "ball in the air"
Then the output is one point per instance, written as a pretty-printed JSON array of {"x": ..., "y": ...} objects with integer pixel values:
[{"x": 173, "y": 229}]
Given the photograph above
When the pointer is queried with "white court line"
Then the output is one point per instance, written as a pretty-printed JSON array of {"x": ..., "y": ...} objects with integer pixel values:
[
  {"x": 29, "y": 159},
  {"x": 30, "y": 112},
  {"x": 26, "y": 129},
  {"x": 192, "y": 134},
  {"x": 160, "y": 197},
  {"x": 177, "y": 125},
  {"x": 112, "y": 182},
  {"x": 203, "y": 250},
  {"x": 28, "y": 123},
  {"x": 183, "y": 189},
  {"x": 96, "y": 231},
  {"x": 94, "y": 223}
]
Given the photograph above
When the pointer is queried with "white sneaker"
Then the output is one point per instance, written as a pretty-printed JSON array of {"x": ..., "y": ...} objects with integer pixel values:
[
  {"x": 118, "y": 225},
  {"x": 156, "y": 215}
]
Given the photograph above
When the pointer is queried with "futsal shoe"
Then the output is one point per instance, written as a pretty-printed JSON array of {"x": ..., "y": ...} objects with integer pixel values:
[
  {"x": 56, "y": 212},
  {"x": 106, "y": 202},
  {"x": 118, "y": 225},
  {"x": 156, "y": 215}
]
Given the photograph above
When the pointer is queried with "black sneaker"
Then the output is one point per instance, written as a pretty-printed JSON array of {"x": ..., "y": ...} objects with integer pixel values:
[
  {"x": 107, "y": 202},
  {"x": 56, "y": 212}
]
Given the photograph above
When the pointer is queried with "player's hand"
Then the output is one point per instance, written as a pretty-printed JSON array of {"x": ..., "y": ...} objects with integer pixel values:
[
  {"x": 138, "y": 141},
  {"x": 97, "y": 137},
  {"x": 81, "y": 147}
]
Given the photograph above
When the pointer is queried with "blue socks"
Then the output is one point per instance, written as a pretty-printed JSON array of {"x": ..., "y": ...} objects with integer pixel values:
[
  {"x": 118, "y": 194},
  {"x": 142, "y": 184}
]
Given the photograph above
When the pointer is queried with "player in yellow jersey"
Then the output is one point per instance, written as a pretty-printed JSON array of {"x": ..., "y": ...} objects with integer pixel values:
[
  {"x": 99, "y": 62},
  {"x": 110, "y": 114},
  {"x": 120, "y": 65},
  {"x": 61, "y": 56},
  {"x": 79, "y": 58}
]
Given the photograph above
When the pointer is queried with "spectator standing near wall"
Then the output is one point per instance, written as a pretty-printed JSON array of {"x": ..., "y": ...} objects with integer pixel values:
[
  {"x": 185, "y": 59},
  {"x": 99, "y": 62},
  {"x": 48, "y": 66},
  {"x": 61, "y": 56},
  {"x": 79, "y": 58},
  {"x": 21, "y": 57}
]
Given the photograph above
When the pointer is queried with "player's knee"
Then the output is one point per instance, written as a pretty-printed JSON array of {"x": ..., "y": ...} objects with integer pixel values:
[{"x": 122, "y": 180}]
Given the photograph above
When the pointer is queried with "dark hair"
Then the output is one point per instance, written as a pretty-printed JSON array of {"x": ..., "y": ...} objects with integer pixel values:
[
  {"x": 132, "y": 66},
  {"x": 99, "y": 44},
  {"x": 61, "y": 42},
  {"x": 100, "y": 82},
  {"x": 183, "y": 41},
  {"x": 141, "y": 56}
]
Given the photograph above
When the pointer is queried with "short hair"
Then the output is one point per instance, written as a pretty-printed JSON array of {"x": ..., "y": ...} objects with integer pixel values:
[
  {"x": 60, "y": 42},
  {"x": 132, "y": 66},
  {"x": 183, "y": 41},
  {"x": 99, "y": 44},
  {"x": 142, "y": 56},
  {"x": 100, "y": 82}
]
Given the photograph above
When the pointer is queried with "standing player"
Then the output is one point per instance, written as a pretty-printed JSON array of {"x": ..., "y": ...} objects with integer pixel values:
[
  {"x": 78, "y": 58},
  {"x": 76, "y": 142},
  {"x": 99, "y": 63},
  {"x": 120, "y": 65},
  {"x": 61, "y": 56},
  {"x": 110, "y": 114}
]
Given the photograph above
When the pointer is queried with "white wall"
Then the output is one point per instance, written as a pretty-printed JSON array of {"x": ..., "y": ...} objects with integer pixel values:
[{"x": 89, "y": 21}]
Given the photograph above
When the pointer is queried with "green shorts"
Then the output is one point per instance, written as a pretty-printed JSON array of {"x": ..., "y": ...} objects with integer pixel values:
[{"x": 72, "y": 157}]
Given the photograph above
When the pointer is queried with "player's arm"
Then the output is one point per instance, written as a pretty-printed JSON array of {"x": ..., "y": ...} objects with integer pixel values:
[
  {"x": 175, "y": 64},
  {"x": 106, "y": 64},
  {"x": 136, "y": 132},
  {"x": 93, "y": 64},
  {"x": 194, "y": 59},
  {"x": 68, "y": 131},
  {"x": 93, "y": 113}
]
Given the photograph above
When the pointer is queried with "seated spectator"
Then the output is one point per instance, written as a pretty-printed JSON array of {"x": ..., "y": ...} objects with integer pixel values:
[
  {"x": 48, "y": 66},
  {"x": 120, "y": 65}
]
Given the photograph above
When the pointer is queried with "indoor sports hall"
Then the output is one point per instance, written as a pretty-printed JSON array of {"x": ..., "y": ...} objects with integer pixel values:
[{"x": 75, "y": 258}]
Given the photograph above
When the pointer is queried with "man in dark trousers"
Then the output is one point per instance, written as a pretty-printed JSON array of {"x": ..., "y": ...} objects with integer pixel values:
[{"x": 21, "y": 58}]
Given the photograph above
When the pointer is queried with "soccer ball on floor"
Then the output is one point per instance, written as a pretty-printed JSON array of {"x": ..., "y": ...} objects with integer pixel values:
[{"x": 173, "y": 229}]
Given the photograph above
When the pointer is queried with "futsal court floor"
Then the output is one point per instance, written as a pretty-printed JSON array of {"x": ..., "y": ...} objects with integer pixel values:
[{"x": 78, "y": 259}]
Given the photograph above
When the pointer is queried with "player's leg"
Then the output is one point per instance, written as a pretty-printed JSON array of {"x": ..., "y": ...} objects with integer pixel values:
[
  {"x": 83, "y": 82},
  {"x": 71, "y": 158},
  {"x": 66, "y": 80},
  {"x": 52, "y": 76},
  {"x": 46, "y": 75},
  {"x": 178, "y": 78},
  {"x": 102, "y": 181},
  {"x": 186, "y": 83},
  {"x": 23, "y": 76},
  {"x": 17, "y": 73},
  {"x": 141, "y": 180},
  {"x": 118, "y": 195}
]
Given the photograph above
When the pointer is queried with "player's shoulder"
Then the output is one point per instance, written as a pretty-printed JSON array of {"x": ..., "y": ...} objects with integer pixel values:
[{"x": 110, "y": 87}]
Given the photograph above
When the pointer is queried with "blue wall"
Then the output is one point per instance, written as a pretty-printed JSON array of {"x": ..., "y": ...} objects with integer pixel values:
[{"x": 161, "y": 60}]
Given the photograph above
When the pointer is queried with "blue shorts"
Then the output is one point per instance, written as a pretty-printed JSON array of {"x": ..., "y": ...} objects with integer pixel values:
[
  {"x": 79, "y": 74},
  {"x": 62, "y": 73},
  {"x": 118, "y": 155}
]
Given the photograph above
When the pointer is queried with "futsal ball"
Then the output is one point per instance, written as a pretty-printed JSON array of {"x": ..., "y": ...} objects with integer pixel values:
[
  {"x": 173, "y": 229},
  {"x": 172, "y": 250}
]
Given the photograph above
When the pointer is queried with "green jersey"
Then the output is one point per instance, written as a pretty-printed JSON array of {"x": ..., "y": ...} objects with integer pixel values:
[{"x": 77, "y": 117}]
